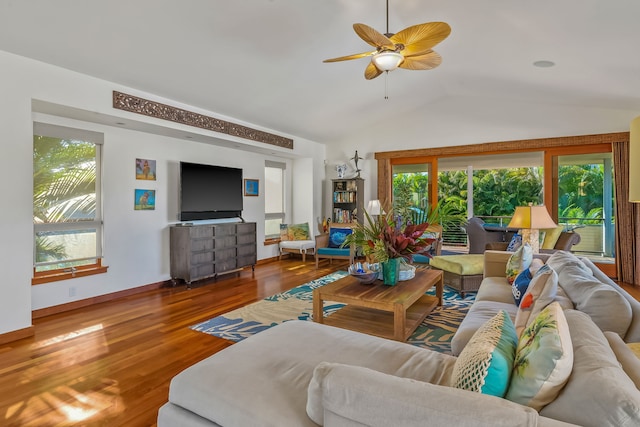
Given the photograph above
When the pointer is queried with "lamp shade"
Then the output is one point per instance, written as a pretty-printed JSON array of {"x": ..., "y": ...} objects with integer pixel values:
[
  {"x": 634, "y": 161},
  {"x": 531, "y": 217},
  {"x": 374, "y": 207},
  {"x": 387, "y": 60}
]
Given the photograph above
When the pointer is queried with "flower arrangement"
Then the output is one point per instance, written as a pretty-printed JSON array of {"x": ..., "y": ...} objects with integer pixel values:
[{"x": 388, "y": 236}]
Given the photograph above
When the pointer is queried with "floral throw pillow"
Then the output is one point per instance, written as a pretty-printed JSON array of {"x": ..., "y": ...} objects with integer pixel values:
[
  {"x": 518, "y": 261},
  {"x": 298, "y": 231},
  {"x": 541, "y": 292},
  {"x": 544, "y": 360}
]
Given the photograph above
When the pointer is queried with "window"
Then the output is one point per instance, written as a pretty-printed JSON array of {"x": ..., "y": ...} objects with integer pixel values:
[
  {"x": 67, "y": 217},
  {"x": 273, "y": 198}
]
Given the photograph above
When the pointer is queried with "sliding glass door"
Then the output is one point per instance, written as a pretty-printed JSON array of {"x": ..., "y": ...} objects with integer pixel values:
[{"x": 585, "y": 200}]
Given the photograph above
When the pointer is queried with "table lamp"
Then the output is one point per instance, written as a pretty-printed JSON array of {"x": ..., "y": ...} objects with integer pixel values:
[
  {"x": 530, "y": 219},
  {"x": 374, "y": 208}
]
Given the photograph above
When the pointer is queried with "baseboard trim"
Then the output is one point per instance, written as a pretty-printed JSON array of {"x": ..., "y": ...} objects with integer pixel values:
[
  {"x": 48, "y": 311},
  {"x": 17, "y": 335}
]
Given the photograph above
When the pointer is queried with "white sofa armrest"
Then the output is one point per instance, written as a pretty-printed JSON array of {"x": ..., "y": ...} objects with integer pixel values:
[{"x": 342, "y": 395}]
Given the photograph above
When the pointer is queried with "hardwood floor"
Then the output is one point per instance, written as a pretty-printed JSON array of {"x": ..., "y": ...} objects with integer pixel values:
[{"x": 110, "y": 364}]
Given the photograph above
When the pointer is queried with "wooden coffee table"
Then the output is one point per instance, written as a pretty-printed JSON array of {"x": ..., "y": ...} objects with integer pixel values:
[{"x": 377, "y": 309}]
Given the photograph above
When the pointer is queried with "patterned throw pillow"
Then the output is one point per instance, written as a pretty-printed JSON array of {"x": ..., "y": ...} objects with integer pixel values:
[
  {"x": 284, "y": 232},
  {"x": 520, "y": 285},
  {"x": 515, "y": 243},
  {"x": 337, "y": 236},
  {"x": 486, "y": 362},
  {"x": 298, "y": 231},
  {"x": 520, "y": 260},
  {"x": 544, "y": 360},
  {"x": 540, "y": 293}
]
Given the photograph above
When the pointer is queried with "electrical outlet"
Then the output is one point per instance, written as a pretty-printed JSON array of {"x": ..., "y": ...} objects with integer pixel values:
[{"x": 72, "y": 291}]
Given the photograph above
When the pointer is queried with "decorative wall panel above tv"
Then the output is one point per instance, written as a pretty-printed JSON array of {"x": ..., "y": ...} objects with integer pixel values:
[{"x": 134, "y": 104}]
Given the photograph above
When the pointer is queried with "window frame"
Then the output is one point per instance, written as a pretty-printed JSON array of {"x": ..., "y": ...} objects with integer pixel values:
[
  {"x": 97, "y": 224},
  {"x": 275, "y": 215}
]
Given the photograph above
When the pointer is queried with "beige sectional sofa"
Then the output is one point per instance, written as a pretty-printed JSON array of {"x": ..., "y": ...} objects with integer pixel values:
[
  {"x": 306, "y": 374},
  {"x": 581, "y": 285}
]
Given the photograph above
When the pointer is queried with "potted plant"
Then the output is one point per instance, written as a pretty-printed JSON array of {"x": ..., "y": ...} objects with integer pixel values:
[{"x": 389, "y": 240}]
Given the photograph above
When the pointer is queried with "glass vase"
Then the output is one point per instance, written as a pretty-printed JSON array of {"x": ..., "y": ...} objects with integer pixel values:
[{"x": 391, "y": 271}]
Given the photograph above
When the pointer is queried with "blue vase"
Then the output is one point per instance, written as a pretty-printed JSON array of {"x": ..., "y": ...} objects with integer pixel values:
[{"x": 391, "y": 271}]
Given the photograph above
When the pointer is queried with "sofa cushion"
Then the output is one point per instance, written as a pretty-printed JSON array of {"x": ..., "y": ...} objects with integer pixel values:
[
  {"x": 629, "y": 361},
  {"x": 544, "y": 358},
  {"x": 495, "y": 289},
  {"x": 337, "y": 236},
  {"x": 520, "y": 260},
  {"x": 266, "y": 376},
  {"x": 342, "y": 395},
  {"x": 561, "y": 259},
  {"x": 598, "y": 392},
  {"x": 301, "y": 245},
  {"x": 486, "y": 362},
  {"x": 463, "y": 265},
  {"x": 479, "y": 314},
  {"x": 541, "y": 293},
  {"x": 608, "y": 308}
]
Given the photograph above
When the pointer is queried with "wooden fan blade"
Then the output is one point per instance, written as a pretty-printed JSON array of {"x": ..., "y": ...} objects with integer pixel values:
[
  {"x": 371, "y": 72},
  {"x": 373, "y": 37},
  {"x": 348, "y": 57},
  {"x": 418, "y": 39},
  {"x": 426, "y": 61}
]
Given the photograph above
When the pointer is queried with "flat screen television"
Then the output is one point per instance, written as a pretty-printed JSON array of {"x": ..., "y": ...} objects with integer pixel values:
[{"x": 209, "y": 192}]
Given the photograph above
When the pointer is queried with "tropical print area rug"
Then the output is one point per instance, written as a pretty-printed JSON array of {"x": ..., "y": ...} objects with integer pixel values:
[{"x": 434, "y": 333}]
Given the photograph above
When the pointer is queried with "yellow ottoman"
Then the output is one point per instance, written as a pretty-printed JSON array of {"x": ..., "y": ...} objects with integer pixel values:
[{"x": 461, "y": 272}]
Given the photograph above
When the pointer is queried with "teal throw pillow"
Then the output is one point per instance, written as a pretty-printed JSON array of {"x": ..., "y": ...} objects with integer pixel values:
[
  {"x": 337, "y": 236},
  {"x": 486, "y": 363},
  {"x": 544, "y": 360}
]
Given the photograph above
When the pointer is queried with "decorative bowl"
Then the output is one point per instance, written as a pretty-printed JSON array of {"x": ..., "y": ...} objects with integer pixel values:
[{"x": 363, "y": 272}]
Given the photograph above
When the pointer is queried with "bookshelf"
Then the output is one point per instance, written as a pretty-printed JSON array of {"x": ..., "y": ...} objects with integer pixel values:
[{"x": 348, "y": 200}]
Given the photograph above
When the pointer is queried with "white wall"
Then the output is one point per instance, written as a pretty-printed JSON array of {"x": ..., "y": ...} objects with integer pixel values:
[{"x": 136, "y": 243}]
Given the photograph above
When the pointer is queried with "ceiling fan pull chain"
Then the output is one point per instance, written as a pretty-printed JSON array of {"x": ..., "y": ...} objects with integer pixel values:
[{"x": 386, "y": 89}]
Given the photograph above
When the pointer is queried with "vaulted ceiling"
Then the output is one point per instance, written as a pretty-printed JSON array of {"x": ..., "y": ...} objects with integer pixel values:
[{"x": 260, "y": 61}]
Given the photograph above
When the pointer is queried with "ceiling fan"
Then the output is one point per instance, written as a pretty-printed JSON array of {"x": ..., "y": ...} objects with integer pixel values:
[{"x": 409, "y": 49}]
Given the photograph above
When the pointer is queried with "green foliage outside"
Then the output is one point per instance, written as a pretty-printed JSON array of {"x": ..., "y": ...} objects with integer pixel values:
[
  {"x": 497, "y": 192},
  {"x": 64, "y": 179}
]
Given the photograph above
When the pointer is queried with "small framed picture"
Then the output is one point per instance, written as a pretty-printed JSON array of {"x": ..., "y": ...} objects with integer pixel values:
[
  {"x": 146, "y": 169},
  {"x": 144, "y": 200},
  {"x": 251, "y": 187}
]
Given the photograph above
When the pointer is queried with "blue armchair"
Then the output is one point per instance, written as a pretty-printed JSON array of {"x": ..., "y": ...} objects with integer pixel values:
[{"x": 328, "y": 245}]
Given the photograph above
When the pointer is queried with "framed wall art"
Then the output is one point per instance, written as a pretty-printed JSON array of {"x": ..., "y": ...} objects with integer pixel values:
[
  {"x": 146, "y": 169},
  {"x": 144, "y": 200},
  {"x": 251, "y": 187}
]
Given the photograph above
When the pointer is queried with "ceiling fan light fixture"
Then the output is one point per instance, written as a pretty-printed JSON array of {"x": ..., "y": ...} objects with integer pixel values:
[{"x": 387, "y": 60}]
